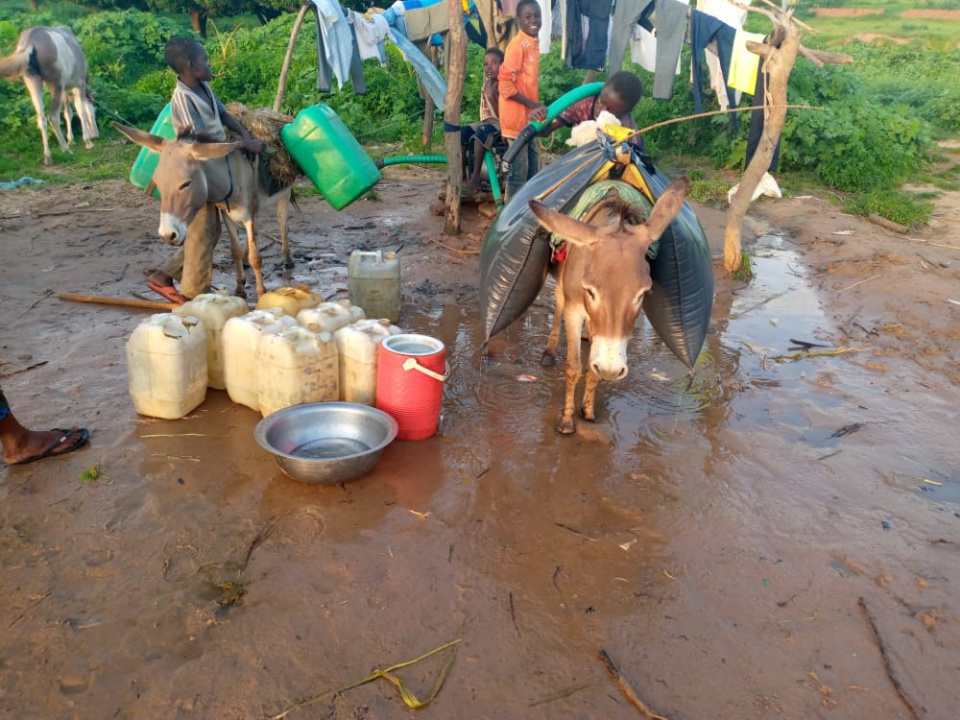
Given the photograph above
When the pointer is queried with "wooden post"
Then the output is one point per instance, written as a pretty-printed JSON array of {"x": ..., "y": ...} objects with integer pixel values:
[
  {"x": 429, "y": 109},
  {"x": 456, "y": 69},
  {"x": 289, "y": 57},
  {"x": 780, "y": 55}
]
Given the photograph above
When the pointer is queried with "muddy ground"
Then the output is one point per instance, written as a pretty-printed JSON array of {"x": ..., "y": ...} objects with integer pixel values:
[{"x": 777, "y": 537}]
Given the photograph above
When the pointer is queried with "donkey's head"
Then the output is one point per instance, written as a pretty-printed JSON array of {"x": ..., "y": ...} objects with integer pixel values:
[
  {"x": 182, "y": 177},
  {"x": 611, "y": 250}
]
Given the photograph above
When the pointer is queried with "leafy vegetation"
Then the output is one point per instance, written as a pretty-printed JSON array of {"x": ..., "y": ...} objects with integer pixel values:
[{"x": 872, "y": 132}]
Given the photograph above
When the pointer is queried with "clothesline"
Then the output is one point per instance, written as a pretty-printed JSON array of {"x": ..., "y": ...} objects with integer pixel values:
[{"x": 345, "y": 38}]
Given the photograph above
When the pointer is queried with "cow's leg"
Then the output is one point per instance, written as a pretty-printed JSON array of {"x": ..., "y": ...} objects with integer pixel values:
[
  {"x": 68, "y": 118},
  {"x": 56, "y": 100},
  {"x": 572, "y": 372},
  {"x": 89, "y": 115},
  {"x": 35, "y": 88},
  {"x": 254, "y": 252},
  {"x": 550, "y": 352},
  {"x": 283, "y": 211},
  {"x": 79, "y": 102},
  {"x": 589, "y": 395},
  {"x": 236, "y": 249}
]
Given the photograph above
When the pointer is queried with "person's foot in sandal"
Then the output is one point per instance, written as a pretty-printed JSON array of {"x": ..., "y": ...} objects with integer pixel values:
[
  {"x": 32, "y": 445},
  {"x": 162, "y": 284}
]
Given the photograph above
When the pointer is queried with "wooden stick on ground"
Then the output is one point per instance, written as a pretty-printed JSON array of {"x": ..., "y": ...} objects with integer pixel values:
[
  {"x": 626, "y": 689},
  {"x": 121, "y": 302},
  {"x": 886, "y": 660}
]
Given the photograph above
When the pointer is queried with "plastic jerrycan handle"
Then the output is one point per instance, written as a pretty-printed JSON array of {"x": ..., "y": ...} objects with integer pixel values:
[
  {"x": 376, "y": 254},
  {"x": 553, "y": 111},
  {"x": 412, "y": 364}
]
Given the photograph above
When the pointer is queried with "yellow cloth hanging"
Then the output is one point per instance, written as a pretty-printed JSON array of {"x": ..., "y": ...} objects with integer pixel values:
[{"x": 743, "y": 63}]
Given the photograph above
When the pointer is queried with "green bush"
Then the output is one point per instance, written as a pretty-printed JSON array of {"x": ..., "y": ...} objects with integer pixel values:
[
  {"x": 854, "y": 143},
  {"x": 123, "y": 46}
]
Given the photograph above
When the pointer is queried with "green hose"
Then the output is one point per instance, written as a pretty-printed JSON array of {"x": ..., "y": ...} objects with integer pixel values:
[
  {"x": 494, "y": 181},
  {"x": 567, "y": 99},
  {"x": 398, "y": 159}
]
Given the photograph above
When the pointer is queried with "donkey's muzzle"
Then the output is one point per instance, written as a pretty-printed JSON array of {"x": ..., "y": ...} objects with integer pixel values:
[{"x": 172, "y": 231}]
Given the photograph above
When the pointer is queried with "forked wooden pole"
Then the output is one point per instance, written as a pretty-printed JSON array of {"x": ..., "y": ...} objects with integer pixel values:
[{"x": 289, "y": 57}]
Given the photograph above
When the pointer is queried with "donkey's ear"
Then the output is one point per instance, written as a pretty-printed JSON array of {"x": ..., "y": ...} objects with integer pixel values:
[
  {"x": 574, "y": 231},
  {"x": 206, "y": 151},
  {"x": 147, "y": 140},
  {"x": 667, "y": 207}
]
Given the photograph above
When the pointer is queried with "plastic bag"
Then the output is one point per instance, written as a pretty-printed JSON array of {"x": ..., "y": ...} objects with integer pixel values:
[{"x": 515, "y": 255}]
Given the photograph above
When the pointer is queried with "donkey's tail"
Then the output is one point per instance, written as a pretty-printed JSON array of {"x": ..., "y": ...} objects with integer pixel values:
[{"x": 14, "y": 66}]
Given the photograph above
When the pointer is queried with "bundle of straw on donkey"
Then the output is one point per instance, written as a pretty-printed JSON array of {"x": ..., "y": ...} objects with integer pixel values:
[{"x": 52, "y": 56}]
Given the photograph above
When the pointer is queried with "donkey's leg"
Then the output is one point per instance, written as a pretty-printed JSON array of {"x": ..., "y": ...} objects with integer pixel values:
[
  {"x": 589, "y": 396},
  {"x": 283, "y": 211},
  {"x": 573, "y": 322},
  {"x": 254, "y": 252},
  {"x": 550, "y": 351},
  {"x": 236, "y": 249},
  {"x": 35, "y": 88},
  {"x": 56, "y": 100}
]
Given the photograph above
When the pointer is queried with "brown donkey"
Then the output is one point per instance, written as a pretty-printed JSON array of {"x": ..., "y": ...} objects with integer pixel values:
[
  {"x": 601, "y": 283},
  {"x": 191, "y": 174},
  {"x": 52, "y": 56}
]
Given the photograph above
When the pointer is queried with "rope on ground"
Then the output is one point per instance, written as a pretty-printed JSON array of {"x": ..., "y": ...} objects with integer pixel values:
[
  {"x": 626, "y": 689},
  {"x": 446, "y": 247},
  {"x": 886, "y": 660}
]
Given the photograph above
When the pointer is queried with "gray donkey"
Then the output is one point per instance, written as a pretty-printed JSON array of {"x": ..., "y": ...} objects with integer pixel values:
[{"x": 52, "y": 56}]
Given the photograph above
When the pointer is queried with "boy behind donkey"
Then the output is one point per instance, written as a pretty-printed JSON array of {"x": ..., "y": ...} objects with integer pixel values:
[
  {"x": 484, "y": 134},
  {"x": 196, "y": 113},
  {"x": 520, "y": 92}
]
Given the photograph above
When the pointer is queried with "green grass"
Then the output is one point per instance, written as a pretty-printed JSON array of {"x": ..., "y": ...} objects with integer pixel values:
[
  {"x": 831, "y": 33},
  {"x": 111, "y": 158}
]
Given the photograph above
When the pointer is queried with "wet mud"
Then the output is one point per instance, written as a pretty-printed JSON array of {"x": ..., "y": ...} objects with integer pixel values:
[{"x": 777, "y": 535}]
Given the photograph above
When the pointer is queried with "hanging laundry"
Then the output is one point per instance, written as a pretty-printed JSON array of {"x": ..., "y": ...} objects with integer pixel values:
[
  {"x": 626, "y": 15},
  {"x": 425, "y": 18},
  {"x": 734, "y": 16},
  {"x": 334, "y": 44},
  {"x": 725, "y": 10},
  {"x": 546, "y": 27},
  {"x": 431, "y": 78},
  {"x": 703, "y": 29},
  {"x": 643, "y": 49},
  {"x": 743, "y": 63},
  {"x": 671, "y": 24},
  {"x": 370, "y": 32},
  {"x": 587, "y": 50}
]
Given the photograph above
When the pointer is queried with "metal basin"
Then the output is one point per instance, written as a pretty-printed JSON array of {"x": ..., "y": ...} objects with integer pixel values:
[{"x": 327, "y": 442}]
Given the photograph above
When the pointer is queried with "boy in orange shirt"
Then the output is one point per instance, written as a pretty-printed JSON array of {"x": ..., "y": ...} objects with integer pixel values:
[{"x": 520, "y": 93}]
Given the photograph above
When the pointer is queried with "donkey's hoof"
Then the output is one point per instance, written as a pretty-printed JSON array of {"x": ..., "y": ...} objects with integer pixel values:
[
  {"x": 590, "y": 416},
  {"x": 547, "y": 359},
  {"x": 566, "y": 427},
  {"x": 289, "y": 264},
  {"x": 240, "y": 293}
]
